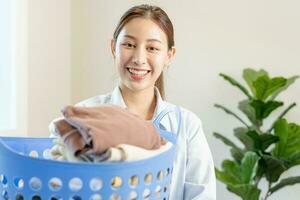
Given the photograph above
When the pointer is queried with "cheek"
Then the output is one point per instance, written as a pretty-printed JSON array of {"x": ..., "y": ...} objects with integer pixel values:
[
  {"x": 122, "y": 57},
  {"x": 159, "y": 61}
]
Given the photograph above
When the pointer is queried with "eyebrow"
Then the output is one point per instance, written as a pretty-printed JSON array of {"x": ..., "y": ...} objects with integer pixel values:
[{"x": 149, "y": 40}]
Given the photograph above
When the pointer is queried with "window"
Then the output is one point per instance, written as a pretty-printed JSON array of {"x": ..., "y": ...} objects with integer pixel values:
[{"x": 7, "y": 67}]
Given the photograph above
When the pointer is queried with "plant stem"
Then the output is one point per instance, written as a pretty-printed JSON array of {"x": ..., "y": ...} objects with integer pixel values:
[{"x": 268, "y": 192}]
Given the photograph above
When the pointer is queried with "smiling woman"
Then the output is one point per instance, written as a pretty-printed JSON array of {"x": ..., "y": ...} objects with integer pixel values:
[
  {"x": 141, "y": 52},
  {"x": 142, "y": 47}
]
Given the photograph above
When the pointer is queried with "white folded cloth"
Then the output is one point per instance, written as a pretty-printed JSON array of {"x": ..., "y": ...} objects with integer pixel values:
[{"x": 122, "y": 152}]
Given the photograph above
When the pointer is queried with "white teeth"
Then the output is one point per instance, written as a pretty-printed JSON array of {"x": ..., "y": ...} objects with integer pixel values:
[{"x": 137, "y": 72}]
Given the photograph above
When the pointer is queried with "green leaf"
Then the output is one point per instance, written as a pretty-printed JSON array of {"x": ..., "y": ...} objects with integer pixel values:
[
  {"x": 234, "y": 173},
  {"x": 240, "y": 178},
  {"x": 241, "y": 134},
  {"x": 249, "y": 167},
  {"x": 262, "y": 141},
  {"x": 266, "y": 140},
  {"x": 237, "y": 84},
  {"x": 245, "y": 191},
  {"x": 289, "y": 139},
  {"x": 281, "y": 116},
  {"x": 264, "y": 109},
  {"x": 236, "y": 152},
  {"x": 264, "y": 86},
  {"x": 250, "y": 76},
  {"x": 273, "y": 167},
  {"x": 285, "y": 182},
  {"x": 288, "y": 83},
  {"x": 294, "y": 159},
  {"x": 248, "y": 110},
  {"x": 225, "y": 140},
  {"x": 230, "y": 174},
  {"x": 257, "y": 110},
  {"x": 231, "y": 113},
  {"x": 254, "y": 141}
]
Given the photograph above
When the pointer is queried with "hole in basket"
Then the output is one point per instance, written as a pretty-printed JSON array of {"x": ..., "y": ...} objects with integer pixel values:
[
  {"x": 146, "y": 193},
  {"x": 148, "y": 178},
  {"x": 160, "y": 175},
  {"x": 18, "y": 183},
  {"x": 34, "y": 154},
  {"x": 116, "y": 182},
  {"x": 133, "y": 195},
  {"x": 35, "y": 183},
  {"x": 3, "y": 180},
  {"x": 5, "y": 195},
  {"x": 36, "y": 197},
  {"x": 165, "y": 188},
  {"x": 115, "y": 197},
  {"x": 19, "y": 197},
  {"x": 157, "y": 191},
  {"x": 168, "y": 172},
  {"x": 75, "y": 184},
  {"x": 96, "y": 197},
  {"x": 56, "y": 198},
  {"x": 76, "y": 197},
  {"x": 55, "y": 184},
  {"x": 133, "y": 181},
  {"x": 96, "y": 184},
  {"x": 47, "y": 154}
]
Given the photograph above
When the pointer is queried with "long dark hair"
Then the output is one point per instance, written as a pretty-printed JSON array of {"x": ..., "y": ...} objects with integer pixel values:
[{"x": 158, "y": 16}]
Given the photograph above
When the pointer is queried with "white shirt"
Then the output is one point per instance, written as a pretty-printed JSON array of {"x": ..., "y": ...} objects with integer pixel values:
[{"x": 193, "y": 172}]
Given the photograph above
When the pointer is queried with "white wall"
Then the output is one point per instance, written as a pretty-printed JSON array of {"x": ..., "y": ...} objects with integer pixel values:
[
  {"x": 211, "y": 37},
  {"x": 69, "y": 58},
  {"x": 49, "y": 62},
  {"x": 19, "y": 52}
]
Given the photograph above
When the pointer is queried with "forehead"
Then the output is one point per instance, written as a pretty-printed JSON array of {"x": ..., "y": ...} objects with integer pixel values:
[{"x": 143, "y": 29}]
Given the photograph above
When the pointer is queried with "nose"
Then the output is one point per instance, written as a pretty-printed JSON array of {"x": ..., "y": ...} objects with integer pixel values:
[{"x": 139, "y": 57}]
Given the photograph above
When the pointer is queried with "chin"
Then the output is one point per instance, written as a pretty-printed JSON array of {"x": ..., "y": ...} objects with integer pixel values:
[{"x": 138, "y": 87}]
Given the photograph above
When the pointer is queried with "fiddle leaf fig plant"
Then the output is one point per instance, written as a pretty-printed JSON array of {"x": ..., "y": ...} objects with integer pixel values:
[{"x": 263, "y": 152}]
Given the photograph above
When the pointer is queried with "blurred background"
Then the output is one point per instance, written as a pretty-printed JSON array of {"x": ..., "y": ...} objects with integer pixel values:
[{"x": 57, "y": 52}]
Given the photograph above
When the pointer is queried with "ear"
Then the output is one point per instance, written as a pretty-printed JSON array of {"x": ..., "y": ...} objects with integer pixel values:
[
  {"x": 113, "y": 48},
  {"x": 170, "y": 55}
]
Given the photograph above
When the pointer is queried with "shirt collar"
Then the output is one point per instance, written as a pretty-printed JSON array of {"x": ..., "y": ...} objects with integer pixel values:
[{"x": 117, "y": 99}]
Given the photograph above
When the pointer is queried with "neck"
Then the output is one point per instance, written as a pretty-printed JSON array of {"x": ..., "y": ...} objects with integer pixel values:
[{"x": 142, "y": 103}]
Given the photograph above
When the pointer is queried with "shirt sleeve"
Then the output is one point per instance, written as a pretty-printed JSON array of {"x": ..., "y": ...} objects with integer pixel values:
[{"x": 200, "y": 181}]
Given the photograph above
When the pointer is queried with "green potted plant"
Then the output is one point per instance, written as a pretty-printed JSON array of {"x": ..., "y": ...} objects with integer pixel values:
[{"x": 264, "y": 152}]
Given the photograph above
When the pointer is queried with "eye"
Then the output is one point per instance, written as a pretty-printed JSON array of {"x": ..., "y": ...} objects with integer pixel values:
[
  {"x": 154, "y": 49},
  {"x": 128, "y": 45}
]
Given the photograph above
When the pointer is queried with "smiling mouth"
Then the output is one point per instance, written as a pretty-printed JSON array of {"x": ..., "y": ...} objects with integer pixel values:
[{"x": 137, "y": 72}]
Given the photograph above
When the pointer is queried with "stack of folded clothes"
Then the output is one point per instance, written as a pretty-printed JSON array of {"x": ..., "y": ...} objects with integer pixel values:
[{"x": 106, "y": 133}]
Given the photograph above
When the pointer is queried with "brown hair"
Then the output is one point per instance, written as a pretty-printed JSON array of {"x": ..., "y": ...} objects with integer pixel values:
[{"x": 158, "y": 16}]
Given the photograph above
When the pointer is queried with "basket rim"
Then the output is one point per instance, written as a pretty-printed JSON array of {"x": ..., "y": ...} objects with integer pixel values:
[{"x": 15, "y": 153}]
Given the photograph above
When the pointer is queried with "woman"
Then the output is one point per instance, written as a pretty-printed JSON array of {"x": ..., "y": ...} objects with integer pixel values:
[{"x": 142, "y": 47}]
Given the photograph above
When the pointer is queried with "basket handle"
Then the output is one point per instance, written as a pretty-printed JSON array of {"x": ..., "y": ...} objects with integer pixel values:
[{"x": 161, "y": 115}]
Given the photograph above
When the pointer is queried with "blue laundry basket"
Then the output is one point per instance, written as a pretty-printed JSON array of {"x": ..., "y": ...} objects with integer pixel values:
[{"x": 27, "y": 172}]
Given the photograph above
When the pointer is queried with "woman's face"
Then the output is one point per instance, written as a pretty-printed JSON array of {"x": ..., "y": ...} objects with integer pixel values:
[{"x": 141, "y": 52}]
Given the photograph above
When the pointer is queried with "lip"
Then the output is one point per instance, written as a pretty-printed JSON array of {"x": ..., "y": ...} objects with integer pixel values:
[{"x": 137, "y": 77}]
